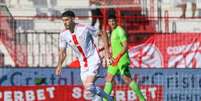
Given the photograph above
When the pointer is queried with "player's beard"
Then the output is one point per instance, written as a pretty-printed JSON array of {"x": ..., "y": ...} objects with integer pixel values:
[
  {"x": 67, "y": 26},
  {"x": 70, "y": 27}
]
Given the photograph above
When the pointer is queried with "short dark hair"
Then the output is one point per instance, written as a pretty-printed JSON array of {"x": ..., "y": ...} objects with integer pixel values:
[
  {"x": 112, "y": 17},
  {"x": 68, "y": 14}
]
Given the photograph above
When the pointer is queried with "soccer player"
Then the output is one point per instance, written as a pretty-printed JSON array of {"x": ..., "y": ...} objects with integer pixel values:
[
  {"x": 120, "y": 59},
  {"x": 79, "y": 38}
]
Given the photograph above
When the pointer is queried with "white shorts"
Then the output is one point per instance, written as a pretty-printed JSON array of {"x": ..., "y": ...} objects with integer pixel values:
[{"x": 91, "y": 71}]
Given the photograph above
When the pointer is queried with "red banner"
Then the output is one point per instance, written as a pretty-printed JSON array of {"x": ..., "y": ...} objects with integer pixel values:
[
  {"x": 169, "y": 51},
  {"x": 73, "y": 93}
]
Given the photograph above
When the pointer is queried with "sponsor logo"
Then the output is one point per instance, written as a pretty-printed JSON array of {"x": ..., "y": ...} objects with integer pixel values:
[
  {"x": 145, "y": 55},
  {"x": 123, "y": 93},
  {"x": 28, "y": 95},
  {"x": 185, "y": 56}
]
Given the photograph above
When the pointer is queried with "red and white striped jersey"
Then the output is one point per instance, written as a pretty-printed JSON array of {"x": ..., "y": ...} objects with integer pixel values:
[{"x": 82, "y": 43}]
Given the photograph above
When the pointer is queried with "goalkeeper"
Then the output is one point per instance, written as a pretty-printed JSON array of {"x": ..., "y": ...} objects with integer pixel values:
[{"x": 119, "y": 59}]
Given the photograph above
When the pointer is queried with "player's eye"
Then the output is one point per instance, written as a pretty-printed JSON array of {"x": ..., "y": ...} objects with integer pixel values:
[{"x": 65, "y": 20}]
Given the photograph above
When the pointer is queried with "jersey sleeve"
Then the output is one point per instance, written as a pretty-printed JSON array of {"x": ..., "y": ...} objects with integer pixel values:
[
  {"x": 92, "y": 30},
  {"x": 122, "y": 35},
  {"x": 62, "y": 42}
]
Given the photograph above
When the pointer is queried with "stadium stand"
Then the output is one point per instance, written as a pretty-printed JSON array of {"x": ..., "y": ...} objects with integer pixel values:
[{"x": 8, "y": 39}]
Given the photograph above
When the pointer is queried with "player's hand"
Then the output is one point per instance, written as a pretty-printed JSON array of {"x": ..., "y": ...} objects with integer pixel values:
[
  {"x": 109, "y": 61},
  {"x": 116, "y": 60},
  {"x": 58, "y": 71}
]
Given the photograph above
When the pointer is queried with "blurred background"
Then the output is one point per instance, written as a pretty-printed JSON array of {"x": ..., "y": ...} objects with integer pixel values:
[{"x": 164, "y": 47}]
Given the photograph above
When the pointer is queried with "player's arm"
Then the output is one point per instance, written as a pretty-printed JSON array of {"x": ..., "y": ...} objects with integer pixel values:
[
  {"x": 103, "y": 35},
  {"x": 62, "y": 56},
  {"x": 107, "y": 54},
  {"x": 125, "y": 48},
  {"x": 106, "y": 43}
]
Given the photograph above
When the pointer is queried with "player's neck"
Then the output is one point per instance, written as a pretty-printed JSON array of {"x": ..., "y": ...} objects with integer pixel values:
[{"x": 114, "y": 27}]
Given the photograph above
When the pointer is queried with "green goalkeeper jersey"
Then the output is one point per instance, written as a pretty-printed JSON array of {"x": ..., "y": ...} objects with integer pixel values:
[{"x": 118, "y": 36}]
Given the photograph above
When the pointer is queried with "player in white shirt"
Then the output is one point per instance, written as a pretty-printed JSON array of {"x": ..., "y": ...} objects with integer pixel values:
[{"x": 80, "y": 39}]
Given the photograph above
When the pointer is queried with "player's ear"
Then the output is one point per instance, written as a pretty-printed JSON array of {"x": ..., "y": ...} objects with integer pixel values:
[{"x": 73, "y": 19}]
